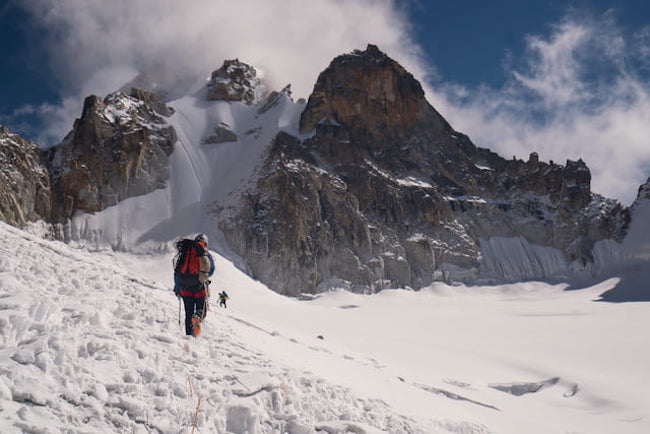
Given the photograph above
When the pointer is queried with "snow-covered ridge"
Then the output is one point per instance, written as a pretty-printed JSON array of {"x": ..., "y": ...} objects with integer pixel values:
[
  {"x": 468, "y": 199},
  {"x": 10, "y": 143},
  {"x": 409, "y": 181},
  {"x": 125, "y": 109},
  {"x": 202, "y": 175},
  {"x": 24, "y": 180}
]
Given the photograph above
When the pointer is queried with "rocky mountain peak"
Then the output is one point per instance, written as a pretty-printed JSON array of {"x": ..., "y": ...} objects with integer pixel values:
[
  {"x": 369, "y": 93},
  {"x": 117, "y": 149},
  {"x": 235, "y": 81},
  {"x": 24, "y": 180},
  {"x": 644, "y": 191},
  {"x": 153, "y": 100},
  {"x": 382, "y": 193},
  {"x": 385, "y": 193}
]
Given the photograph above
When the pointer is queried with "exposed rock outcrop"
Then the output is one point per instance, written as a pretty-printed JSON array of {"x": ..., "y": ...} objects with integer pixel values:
[
  {"x": 221, "y": 134},
  {"x": 24, "y": 181},
  {"x": 637, "y": 242},
  {"x": 118, "y": 148},
  {"x": 644, "y": 192},
  {"x": 384, "y": 193},
  {"x": 374, "y": 98},
  {"x": 235, "y": 81},
  {"x": 152, "y": 100}
]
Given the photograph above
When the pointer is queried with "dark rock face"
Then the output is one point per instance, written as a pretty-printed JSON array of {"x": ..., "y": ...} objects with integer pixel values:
[
  {"x": 221, "y": 134},
  {"x": 24, "y": 181},
  {"x": 118, "y": 148},
  {"x": 644, "y": 191},
  {"x": 386, "y": 194},
  {"x": 374, "y": 97},
  {"x": 153, "y": 101},
  {"x": 235, "y": 81}
]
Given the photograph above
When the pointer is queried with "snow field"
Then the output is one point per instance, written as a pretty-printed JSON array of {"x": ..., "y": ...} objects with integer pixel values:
[
  {"x": 462, "y": 356},
  {"x": 88, "y": 347},
  {"x": 91, "y": 342}
]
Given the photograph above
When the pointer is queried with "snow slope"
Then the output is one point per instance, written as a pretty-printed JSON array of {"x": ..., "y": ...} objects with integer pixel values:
[
  {"x": 88, "y": 347},
  {"x": 90, "y": 342},
  {"x": 201, "y": 174}
]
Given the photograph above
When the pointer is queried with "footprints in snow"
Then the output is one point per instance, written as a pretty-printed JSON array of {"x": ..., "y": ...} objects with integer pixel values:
[
  {"x": 367, "y": 361},
  {"x": 514, "y": 388}
]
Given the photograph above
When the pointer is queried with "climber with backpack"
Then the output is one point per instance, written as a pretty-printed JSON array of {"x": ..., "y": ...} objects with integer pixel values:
[
  {"x": 223, "y": 296},
  {"x": 193, "y": 265}
]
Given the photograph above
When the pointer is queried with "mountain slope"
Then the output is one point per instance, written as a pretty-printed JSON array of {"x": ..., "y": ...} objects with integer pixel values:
[
  {"x": 219, "y": 146},
  {"x": 366, "y": 187},
  {"x": 380, "y": 192},
  {"x": 89, "y": 347},
  {"x": 91, "y": 342},
  {"x": 24, "y": 181},
  {"x": 630, "y": 258},
  {"x": 117, "y": 149}
]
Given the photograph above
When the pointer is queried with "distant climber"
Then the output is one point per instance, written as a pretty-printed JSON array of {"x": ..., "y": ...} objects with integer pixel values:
[
  {"x": 193, "y": 265},
  {"x": 222, "y": 298}
]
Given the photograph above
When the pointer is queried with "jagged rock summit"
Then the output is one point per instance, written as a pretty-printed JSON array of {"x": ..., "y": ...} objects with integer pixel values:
[
  {"x": 636, "y": 246},
  {"x": 644, "y": 191},
  {"x": 385, "y": 193},
  {"x": 24, "y": 181},
  {"x": 373, "y": 96},
  {"x": 118, "y": 149},
  {"x": 235, "y": 81}
]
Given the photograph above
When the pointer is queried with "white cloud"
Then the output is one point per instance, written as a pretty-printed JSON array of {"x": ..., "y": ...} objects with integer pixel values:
[
  {"x": 577, "y": 94},
  {"x": 95, "y": 46},
  {"x": 641, "y": 46}
]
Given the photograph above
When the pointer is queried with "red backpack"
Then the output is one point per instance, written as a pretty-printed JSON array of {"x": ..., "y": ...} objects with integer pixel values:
[{"x": 186, "y": 262}]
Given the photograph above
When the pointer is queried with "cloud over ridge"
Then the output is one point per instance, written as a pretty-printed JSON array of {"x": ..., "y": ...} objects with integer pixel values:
[
  {"x": 96, "y": 46},
  {"x": 579, "y": 92}
]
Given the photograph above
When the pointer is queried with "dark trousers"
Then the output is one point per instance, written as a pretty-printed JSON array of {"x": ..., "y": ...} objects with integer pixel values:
[{"x": 193, "y": 306}]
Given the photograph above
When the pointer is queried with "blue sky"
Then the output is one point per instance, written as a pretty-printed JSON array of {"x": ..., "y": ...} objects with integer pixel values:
[
  {"x": 470, "y": 41},
  {"x": 564, "y": 79}
]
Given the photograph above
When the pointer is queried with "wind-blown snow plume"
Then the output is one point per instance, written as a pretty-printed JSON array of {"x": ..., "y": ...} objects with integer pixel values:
[
  {"x": 577, "y": 93},
  {"x": 97, "y": 46}
]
